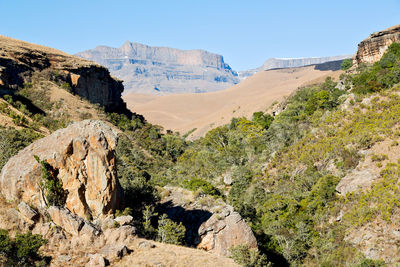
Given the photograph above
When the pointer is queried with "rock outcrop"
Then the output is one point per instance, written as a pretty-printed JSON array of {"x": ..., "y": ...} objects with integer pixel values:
[
  {"x": 19, "y": 60},
  {"x": 210, "y": 224},
  {"x": 372, "y": 49},
  {"x": 224, "y": 230},
  {"x": 84, "y": 156},
  {"x": 162, "y": 70}
]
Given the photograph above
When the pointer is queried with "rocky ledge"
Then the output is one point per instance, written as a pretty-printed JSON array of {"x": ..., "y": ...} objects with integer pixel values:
[
  {"x": 372, "y": 49},
  {"x": 20, "y": 60}
]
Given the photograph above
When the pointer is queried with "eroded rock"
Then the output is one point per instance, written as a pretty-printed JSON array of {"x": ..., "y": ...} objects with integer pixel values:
[
  {"x": 219, "y": 233},
  {"x": 124, "y": 220},
  {"x": 84, "y": 156},
  {"x": 27, "y": 212},
  {"x": 113, "y": 252},
  {"x": 372, "y": 49}
]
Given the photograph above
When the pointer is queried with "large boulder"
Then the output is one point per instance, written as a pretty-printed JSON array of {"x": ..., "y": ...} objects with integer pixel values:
[
  {"x": 210, "y": 223},
  {"x": 225, "y": 230},
  {"x": 84, "y": 156}
]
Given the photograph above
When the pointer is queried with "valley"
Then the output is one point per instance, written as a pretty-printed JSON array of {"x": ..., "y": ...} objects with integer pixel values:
[{"x": 296, "y": 166}]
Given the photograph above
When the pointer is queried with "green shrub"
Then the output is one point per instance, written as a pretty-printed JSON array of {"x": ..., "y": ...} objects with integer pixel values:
[
  {"x": 21, "y": 251},
  {"x": 12, "y": 141},
  {"x": 170, "y": 232},
  {"x": 248, "y": 257},
  {"x": 51, "y": 185},
  {"x": 346, "y": 64},
  {"x": 198, "y": 184}
]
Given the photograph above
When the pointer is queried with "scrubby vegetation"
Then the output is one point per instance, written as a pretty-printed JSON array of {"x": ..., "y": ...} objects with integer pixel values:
[
  {"x": 51, "y": 185},
  {"x": 284, "y": 169},
  {"x": 12, "y": 141},
  {"x": 23, "y": 250}
]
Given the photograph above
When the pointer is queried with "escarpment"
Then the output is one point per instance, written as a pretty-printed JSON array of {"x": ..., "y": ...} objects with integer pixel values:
[
  {"x": 372, "y": 49},
  {"x": 20, "y": 60}
]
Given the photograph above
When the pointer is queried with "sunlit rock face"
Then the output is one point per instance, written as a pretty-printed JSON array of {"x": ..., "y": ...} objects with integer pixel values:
[
  {"x": 372, "y": 49},
  {"x": 83, "y": 155},
  {"x": 163, "y": 70}
]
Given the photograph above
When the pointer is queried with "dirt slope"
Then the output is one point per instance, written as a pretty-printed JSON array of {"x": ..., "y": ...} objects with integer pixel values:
[{"x": 184, "y": 112}]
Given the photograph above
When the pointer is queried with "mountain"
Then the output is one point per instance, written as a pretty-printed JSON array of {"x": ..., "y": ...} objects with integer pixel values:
[
  {"x": 164, "y": 70},
  {"x": 202, "y": 112},
  {"x": 281, "y": 63}
]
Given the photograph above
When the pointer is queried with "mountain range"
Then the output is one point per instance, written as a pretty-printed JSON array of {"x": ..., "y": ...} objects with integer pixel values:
[
  {"x": 283, "y": 63},
  {"x": 163, "y": 70}
]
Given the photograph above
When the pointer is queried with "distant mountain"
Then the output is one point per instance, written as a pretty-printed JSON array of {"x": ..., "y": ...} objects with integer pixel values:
[
  {"x": 164, "y": 70},
  {"x": 282, "y": 63}
]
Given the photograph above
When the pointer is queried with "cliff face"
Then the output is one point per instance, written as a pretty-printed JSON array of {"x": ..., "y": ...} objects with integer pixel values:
[
  {"x": 283, "y": 63},
  {"x": 147, "y": 69},
  {"x": 372, "y": 49},
  {"x": 20, "y": 60}
]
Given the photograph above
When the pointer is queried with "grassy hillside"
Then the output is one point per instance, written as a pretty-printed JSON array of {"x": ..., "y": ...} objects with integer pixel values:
[{"x": 284, "y": 170}]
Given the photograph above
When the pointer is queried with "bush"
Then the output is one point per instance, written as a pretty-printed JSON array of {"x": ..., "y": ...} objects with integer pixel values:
[
  {"x": 346, "y": 64},
  {"x": 196, "y": 184},
  {"x": 170, "y": 232},
  {"x": 12, "y": 141},
  {"x": 51, "y": 185},
  {"x": 248, "y": 257},
  {"x": 21, "y": 251}
]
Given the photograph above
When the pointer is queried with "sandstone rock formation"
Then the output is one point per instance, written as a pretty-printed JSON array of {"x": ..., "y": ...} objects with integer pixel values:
[
  {"x": 222, "y": 231},
  {"x": 283, "y": 63},
  {"x": 161, "y": 70},
  {"x": 372, "y": 49},
  {"x": 84, "y": 156},
  {"x": 213, "y": 226},
  {"x": 19, "y": 60}
]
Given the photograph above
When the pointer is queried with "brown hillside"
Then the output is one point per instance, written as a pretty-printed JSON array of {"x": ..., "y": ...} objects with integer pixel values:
[{"x": 184, "y": 112}]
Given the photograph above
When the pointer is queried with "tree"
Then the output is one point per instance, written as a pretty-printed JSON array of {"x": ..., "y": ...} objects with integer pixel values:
[
  {"x": 170, "y": 232},
  {"x": 346, "y": 64}
]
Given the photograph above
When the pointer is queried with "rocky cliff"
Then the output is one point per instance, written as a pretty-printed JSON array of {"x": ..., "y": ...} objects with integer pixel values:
[
  {"x": 20, "y": 60},
  {"x": 283, "y": 63},
  {"x": 162, "y": 70},
  {"x": 372, "y": 49},
  {"x": 84, "y": 158}
]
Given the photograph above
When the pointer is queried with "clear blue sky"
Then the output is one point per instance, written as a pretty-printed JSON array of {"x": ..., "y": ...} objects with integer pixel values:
[{"x": 245, "y": 32}]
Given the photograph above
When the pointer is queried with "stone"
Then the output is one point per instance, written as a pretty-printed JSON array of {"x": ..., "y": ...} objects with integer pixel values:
[
  {"x": 228, "y": 179},
  {"x": 218, "y": 234},
  {"x": 96, "y": 260},
  {"x": 27, "y": 212},
  {"x": 107, "y": 222},
  {"x": 146, "y": 244},
  {"x": 84, "y": 156},
  {"x": 215, "y": 227},
  {"x": 124, "y": 220},
  {"x": 89, "y": 229},
  {"x": 361, "y": 178},
  {"x": 372, "y": 49},
  {"x": 66, "y": 220},
  {"x": 113, "y": 252},
  {"x": 120, "y": 235},
  {"x": 64, "y": 258}
]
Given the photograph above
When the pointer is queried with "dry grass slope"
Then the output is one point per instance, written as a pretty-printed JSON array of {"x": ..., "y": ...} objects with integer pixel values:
[{"x": 184, "y": 112}]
